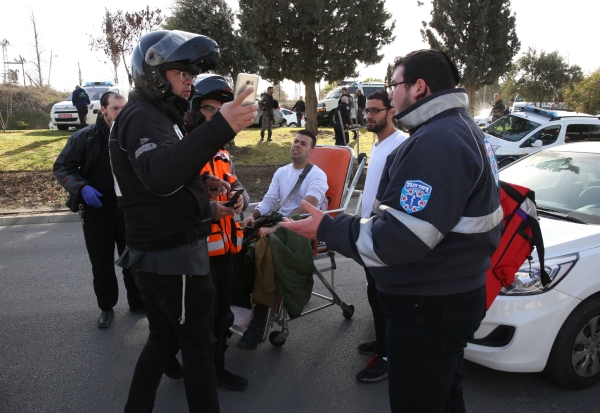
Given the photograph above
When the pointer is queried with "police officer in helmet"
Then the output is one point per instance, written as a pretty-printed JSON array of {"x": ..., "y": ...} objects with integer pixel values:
[{"x": 167, "y": 209}]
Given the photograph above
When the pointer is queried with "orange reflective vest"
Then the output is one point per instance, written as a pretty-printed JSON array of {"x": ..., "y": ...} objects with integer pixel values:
[{"x": 226, "y": 234}]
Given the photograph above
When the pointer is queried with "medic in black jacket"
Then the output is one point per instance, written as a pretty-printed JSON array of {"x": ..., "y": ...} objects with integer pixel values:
[
  {"x": 436, "y": 222},
  {"x": 167, "y": 210}
]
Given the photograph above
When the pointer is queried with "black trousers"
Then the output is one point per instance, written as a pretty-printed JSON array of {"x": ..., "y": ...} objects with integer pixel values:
[
  {"x": 426, "y": 340},
  {"x": 163, "y": 300},
  {"x": 341, "y": 137},
  {"x": 378, "y": 316},
  {"x": 82, "y": 112},
  {"x": 221, "y": 268},
  {"x": 299, "y": 119},
  {"x": 102, "y": 229}
]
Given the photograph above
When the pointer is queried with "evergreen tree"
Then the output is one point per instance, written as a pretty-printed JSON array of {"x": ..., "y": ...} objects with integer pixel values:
[
  {"x": 585, "y": 96},
  {"x": 389, "y": 74},
  {"x": 478, "y": 35},
  {"x": 306, "y": 41},
  {"x": 215, "y": 19},
  {"x": 540, "y": 77}
]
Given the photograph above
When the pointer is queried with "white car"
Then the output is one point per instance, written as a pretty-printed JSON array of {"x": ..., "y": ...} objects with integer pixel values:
[
  {"x": 521, "y": 133},
  {"x": 484, "y": 118},
  {"x": 64, "y": 114},
  {"x": 556, "y": 328},
  {"x": 290, "y": 120}
]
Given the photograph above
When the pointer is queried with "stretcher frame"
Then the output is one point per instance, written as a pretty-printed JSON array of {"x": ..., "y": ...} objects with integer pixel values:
[{"x": 337, "y": 162}]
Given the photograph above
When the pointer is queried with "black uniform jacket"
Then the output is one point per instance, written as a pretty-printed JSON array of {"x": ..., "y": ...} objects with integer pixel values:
[{"x": 156, "y": 172}]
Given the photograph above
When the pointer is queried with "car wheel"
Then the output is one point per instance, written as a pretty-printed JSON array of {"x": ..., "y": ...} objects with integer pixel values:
[
  {"x": 574, "y": 361},
  {"x": 283, "y": 124},
  {"x": 292, "y": 125},
  {"x": 62, "y": 127}
]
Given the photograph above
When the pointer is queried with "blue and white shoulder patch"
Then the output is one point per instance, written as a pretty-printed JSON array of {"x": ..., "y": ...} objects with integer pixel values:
[
  {"x": 493, "y": 162},
  {"x": 414, "y": 196}
]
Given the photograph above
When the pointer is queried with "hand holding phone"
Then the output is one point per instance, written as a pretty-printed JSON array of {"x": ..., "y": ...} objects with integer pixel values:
[
  {"x": 234, "y": 199},
  {"x": 245, "y": 80}
]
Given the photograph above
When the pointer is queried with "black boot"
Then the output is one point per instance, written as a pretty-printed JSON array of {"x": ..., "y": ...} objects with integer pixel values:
[
  {"x": 262, "y": 136},
  {"x": 225, "y": 378},
  {"x": 254, "y": 333}
]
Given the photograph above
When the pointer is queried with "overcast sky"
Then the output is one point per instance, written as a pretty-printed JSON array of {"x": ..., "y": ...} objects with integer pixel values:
[{"x": 569, "y": 27}]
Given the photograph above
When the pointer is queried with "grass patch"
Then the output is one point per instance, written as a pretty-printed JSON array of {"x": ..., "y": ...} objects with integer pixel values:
[{"x": 36, "y": 150}]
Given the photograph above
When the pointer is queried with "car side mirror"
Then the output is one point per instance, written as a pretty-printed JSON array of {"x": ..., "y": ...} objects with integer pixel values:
[{"x": 536, "y": 144}]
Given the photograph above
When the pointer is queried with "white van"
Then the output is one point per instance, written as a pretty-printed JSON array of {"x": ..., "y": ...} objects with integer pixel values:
[
  {"x": 521, "y": 133},
  {"x": 64, "y": 114},
  {"x": 327, "y": 108}
]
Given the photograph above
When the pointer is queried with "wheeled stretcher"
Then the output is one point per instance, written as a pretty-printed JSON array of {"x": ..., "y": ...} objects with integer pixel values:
[{"x": 338, "y": 163}]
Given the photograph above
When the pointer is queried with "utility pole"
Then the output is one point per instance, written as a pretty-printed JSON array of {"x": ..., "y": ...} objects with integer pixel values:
[
  {"x": 80, "y": 78},
  {"x": 50, "y": 68}
]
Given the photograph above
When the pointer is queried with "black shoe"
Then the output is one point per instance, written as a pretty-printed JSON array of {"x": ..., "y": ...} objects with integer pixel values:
[
  {"x": 269, "y": 140},
  {"x": 254, "y": 333},
  {"x": 376, "y": 370},
  {"x": 231, "y": 381},
  {"x": 367, "y": 348},
  {"x": 106, "y": 318},
  {"x": 173, "y": 369}
]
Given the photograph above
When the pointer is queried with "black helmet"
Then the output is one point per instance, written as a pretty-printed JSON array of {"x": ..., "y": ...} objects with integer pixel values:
[
  {"x": 211, "y": 87},
  {"x": 163, "y": 49}
]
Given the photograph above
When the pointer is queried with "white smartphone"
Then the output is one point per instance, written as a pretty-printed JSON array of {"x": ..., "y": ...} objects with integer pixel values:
[{"x": 245, "y": 80}]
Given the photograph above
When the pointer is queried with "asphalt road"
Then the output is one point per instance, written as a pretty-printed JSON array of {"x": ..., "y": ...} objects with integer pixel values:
[{"x": 53, "y": 358}]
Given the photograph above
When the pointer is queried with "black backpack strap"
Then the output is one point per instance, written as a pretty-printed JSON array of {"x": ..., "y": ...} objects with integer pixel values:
[
  {"x": 303, "y": 175},
  {"x": 538, "y": 241}
]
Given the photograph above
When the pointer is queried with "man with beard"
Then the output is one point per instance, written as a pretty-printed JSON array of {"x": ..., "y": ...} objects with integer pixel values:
[
  {"x": 437, "y": 222},
  {"x": 380, "y": 117}
]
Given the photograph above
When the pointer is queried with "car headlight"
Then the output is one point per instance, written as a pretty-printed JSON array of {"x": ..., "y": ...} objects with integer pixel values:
[{"x": 528, "y": 279}]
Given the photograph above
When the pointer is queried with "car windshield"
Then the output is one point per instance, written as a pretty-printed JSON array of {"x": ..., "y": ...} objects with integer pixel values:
[
  {"x": 566, "y": 182},
  {"x": 511, "y": 128},
  {"x": 334, "y": 94}
]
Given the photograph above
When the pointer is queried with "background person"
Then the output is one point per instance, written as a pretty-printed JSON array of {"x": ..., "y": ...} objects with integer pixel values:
[
  {"x": 380, "y": 121},
  {"x": 81, "y": 101},
  {"x": 498, "y": 108},
  {"x": 429, "y": 246},
  {"x": 361, "y": 102},
  {"x": 83, "y": 169},
  {"x": 267, "y": 105},
  {"x": 300, "y": 108},
  {"x": 167, "y": 209},
  {"x": 339, "y": 127}
]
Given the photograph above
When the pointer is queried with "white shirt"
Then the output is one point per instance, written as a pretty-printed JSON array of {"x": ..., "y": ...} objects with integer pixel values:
[
  {"x": 379, "y": 154},
  {"x": 315, "y": 184}
]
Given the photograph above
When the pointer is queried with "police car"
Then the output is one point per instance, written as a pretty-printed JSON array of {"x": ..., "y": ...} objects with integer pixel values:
[
  {"x": 521, "y": 133},
  {"x": 64, "y": 114},
  {"x": 554, "y": 328}
]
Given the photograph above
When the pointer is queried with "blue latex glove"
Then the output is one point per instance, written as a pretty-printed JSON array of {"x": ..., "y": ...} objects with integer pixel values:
[{"x": 90, "y": 196}]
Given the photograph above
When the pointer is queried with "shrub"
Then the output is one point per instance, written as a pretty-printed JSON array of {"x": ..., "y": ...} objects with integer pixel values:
[
  {"x": 22, "y": 124},
  {"x": 30, "y": 104}
]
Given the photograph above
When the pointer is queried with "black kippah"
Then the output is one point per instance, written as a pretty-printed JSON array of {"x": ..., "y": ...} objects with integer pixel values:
[{"x": 453, "y": 67}]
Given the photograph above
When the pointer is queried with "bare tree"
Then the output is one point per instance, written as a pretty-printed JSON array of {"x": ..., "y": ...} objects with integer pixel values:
[
  {"x": 121, "y": 32},
  {"x": 5, "y": 120},
  {"x": 80, "y": 77},
  {"x": 38, "y": 62}
]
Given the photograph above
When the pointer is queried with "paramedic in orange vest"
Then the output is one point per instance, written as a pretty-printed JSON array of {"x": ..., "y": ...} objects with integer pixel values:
[{"x": 211, "y": 91}]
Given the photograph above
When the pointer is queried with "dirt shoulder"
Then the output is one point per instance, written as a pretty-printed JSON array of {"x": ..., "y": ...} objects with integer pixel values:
[{"x": 36, "y": 192}]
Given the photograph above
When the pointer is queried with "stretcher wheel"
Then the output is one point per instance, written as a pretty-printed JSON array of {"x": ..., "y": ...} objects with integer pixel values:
[
  {"x": 349, "y": 312},
  {"x": 273, "y": 338}
]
